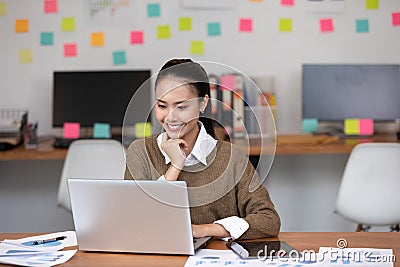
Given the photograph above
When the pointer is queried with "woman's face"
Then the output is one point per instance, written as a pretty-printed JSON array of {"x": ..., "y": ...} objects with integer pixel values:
[{"x": 177, "y": 108}]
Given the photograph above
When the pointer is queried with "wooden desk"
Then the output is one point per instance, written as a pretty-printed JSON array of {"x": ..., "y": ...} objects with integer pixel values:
[
  {"x": 288, "y": 146},
  {"x": 301, "y": 241}
]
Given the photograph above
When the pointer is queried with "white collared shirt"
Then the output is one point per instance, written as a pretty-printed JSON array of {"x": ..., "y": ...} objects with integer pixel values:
[{"x": 205, "y": 143}]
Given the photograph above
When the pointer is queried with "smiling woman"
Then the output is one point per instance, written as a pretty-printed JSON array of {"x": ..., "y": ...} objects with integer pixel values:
[{"x": 218, "y": 175}]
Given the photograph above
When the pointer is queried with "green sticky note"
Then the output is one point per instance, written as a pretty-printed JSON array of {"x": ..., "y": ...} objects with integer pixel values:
[
  {"x": 351, "y": 126},
  {"x": 101, "y": 130},
  {"x": 214, "y": 28},
  {"x": 185, "y": 24},
  {"x": 371, "y": 4},
  {"x": 362, "y": 25},
  {"x": 68, "y": 24},
  {"x": 153, "y": 10},
  {"x": 142, "y": 129},
  {"x": 46, "y": 38},
  {"x": 3, "y": 9},
  {"x": 310, "y": 125},
  {"x": 163, "y": 32},
  {"x": 285, "y": 25},
  {"x": 197, "y": 48},
  {"x": 119, "y": 57}
]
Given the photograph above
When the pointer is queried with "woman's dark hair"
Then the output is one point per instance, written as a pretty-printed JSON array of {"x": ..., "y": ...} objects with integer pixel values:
[{"x": 196, "y": 77}]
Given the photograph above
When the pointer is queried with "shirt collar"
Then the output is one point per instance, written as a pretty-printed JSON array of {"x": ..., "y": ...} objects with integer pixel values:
[{"x": 203, "y": 146}]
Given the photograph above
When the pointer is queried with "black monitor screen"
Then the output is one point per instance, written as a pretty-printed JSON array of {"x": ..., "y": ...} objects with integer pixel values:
[
  {"x": 337, "y": 92},
  {"x": 99, "y": 96}
]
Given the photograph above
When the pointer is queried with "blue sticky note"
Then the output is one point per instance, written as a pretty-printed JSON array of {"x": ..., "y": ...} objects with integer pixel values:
[
  {"x": 46, "y": 38},
  {"x": 310, "y": 125},
  {"x": 362, "y": 25},
  {"x": 153, "y": 10},
  {"x": 214, "y": 28},
  {"x": 101, "y": 130},
  {"x": 119, "y": 57}
]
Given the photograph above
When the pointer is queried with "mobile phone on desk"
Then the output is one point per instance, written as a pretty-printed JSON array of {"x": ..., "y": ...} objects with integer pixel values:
[{"x": 262, "y": 249}]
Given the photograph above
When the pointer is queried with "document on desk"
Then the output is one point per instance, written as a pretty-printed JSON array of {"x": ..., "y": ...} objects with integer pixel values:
[{"x": 40, "y": 250}]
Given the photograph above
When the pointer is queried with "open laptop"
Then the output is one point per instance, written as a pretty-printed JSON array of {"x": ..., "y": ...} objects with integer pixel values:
[{"x": 133, "y": 216}]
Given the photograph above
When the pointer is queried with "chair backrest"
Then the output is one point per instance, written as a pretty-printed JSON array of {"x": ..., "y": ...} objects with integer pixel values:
[
  {"x": 369, "y": 192},
  {"x": 91, "y": 158}
]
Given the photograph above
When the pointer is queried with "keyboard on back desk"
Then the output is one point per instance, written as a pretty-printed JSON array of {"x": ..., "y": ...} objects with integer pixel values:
[{"x": 60, "y": 142}]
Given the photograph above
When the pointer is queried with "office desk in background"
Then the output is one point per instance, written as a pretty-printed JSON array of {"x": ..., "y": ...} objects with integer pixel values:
[{"x": 300, "y": 241}]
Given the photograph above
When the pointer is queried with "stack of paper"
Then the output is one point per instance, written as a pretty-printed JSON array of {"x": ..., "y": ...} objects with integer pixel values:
[{"x": 41, "y": 250}]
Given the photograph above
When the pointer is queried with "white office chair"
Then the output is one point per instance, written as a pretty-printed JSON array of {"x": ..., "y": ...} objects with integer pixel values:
[
  {"x": 92, "y": 158},
  {"x": 369, "y": 192}
]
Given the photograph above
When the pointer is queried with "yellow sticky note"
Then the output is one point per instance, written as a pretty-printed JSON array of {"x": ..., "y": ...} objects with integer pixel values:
[
  {"x": 68, "y": 24},
  {"x": 163, "y": 32},
  {"x": 21, "y": 25},
  {"x": 185, "y": 24},
  {"x": 285, "y": 25},
  {"x": 142, "y": 129},
  {"x": 371, "y": 4},
  {"x": 197, "y": 47},
  {"x": 97, "y": 39},
  {"x": 351, "y": 126},
  {"x": 25, "y": 56},
  {"x": 3, "y": 8}
]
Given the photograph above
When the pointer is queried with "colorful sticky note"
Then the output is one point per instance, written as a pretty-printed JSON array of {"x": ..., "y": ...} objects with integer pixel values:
[
  {"x": 163, "y": 32},
  {"x": 366, "y": 126},
  {"x": 119, "y": 57},
  {"x": 287, "y": 2},
  {"x": 21, "y": 25},
  {"x": 285, "y": 25},
  {"x": 68, "y": 24},
  {"x": 70, "y": 50},
  {"x": 197, "y": 48},
  {"x": 50, "y": 6},
  {"x": 101, "y": 130},
  {"x": 396, "y": 18},
  {"x": 351, "y": 126},
  {"x": 362, "y": 25},
  {"x": 153, "y": 10},
  {"x": 46, "y": 38},
  {"x": 326, "y": 25},
  {"x": 25, "y": 56},
  {"x": 245, "y": 25},
  {"x": 310, "y": 125},
  {"x": 185, "y": 24},
  {"x": 213, "y": 28},
  {"x": 228, "y": 82},
  {"x": 371, "y": 4},
  {"x": 97, "y": 39},
  {"x": 3, "y": 9},
  {"x": 137, "y": 37},
  {"x": 142, "y": 129},
  {"x": 71, "y": 130}
]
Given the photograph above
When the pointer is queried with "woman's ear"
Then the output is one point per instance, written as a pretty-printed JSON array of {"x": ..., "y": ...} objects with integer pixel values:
[{"x": 203, "y": 103}]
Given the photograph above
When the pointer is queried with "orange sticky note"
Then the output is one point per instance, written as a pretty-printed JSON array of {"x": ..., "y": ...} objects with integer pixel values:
[
  {"x": 70, "y": 50},
  {"x": 228, "y": 82},
  {"x": 21, "y": 25},
  {"x": 326, "y": 25},
  {"x": 366, "y": 126},
  {"x": 245, "y": 25},
  {"x": 97, "y": 39},
  {"x": 137, "y": 37},
  {"x": 50, "y": 6},
  {"x": 71, "y": 130}
]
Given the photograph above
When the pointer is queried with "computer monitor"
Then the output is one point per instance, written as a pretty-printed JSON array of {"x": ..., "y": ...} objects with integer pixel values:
[
  {"x": 90, "y": 97},
  {"x": 334, "y": 92}
]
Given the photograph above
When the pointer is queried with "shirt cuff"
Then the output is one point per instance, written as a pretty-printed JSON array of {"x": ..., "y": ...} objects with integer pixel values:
[
  {"x": 162, "y": 178},
  {"x": 234, "y": 225}
]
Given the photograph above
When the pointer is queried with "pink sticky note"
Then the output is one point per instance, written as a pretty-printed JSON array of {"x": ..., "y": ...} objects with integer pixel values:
[
  {"x": 366, "y": 126},
  {"x": 70, "y": 50},
  {"x": 71, "y": 130},
  {"x": 287, "y": 2},
  {"x": 246, "y": 25},
  {"x": 50, "y": 6},
  {"x": 137, "y": 37},
  {"x": 228, "y": 82},
  {"x": 326, "y": 25},
  {"x": 396, "y": 18}
]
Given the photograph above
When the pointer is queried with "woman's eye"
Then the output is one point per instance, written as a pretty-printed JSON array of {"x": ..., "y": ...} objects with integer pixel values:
[
  {"x": 161, "y": 106},
  {"x": 181, "y": 107}
]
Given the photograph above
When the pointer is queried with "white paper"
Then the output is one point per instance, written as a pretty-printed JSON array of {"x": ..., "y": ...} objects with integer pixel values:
[{"x": 42, "y": 260}]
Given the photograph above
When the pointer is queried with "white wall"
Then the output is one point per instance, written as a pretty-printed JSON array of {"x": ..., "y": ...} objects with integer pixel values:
[{"x": 264, "y": 51}]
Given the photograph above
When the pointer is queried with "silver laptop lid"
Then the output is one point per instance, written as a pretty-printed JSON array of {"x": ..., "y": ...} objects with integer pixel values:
[{"x": 131, "y": 216}]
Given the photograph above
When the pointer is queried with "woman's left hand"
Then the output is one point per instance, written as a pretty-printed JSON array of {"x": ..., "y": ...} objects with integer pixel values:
[{"x": 212, "y": 229}]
